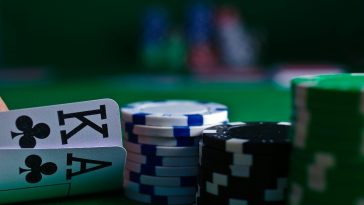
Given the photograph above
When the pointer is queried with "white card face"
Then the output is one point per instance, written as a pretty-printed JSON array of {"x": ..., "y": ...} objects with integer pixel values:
[
  {"x": 93, "y": 123},
  {"x": 29, "y": 174}
]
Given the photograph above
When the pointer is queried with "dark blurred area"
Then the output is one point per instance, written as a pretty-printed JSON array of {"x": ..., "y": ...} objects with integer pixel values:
[{"x": 79, "y": 39}]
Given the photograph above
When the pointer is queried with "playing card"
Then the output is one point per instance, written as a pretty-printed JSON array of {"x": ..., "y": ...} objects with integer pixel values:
[
  {"x": 93, "y": 123},
  {"x": 29, "y": 174}
]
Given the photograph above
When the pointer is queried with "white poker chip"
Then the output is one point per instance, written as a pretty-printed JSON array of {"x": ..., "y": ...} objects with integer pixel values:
[
  {"x": 160, "y": 181},
  {"x": 153, "y": 150},
  {"x": 174, "y": 113},
  {"x": 162, "y": 161},
  {"x": 176, "y": 131},
  {"x": 147, "y": 198},
  {"x": 161, "y": 141},
  {"x": 162, "y": 171},
  {"x": 159, "y": 190}
]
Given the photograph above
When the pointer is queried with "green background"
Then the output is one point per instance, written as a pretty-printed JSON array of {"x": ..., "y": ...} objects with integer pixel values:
[
  {"x": 246, "y": 102},
  {"x": 83, "y": 38},
  {"x": 94, "y": 37},
  {"x": 254, "y": 101}
]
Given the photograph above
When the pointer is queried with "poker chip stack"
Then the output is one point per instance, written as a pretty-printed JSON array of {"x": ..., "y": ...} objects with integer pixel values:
[
  {"x": 175, "y": 51},
  {"x": 244, "y": 163},
  {"x": 328, "y": 152},
  {"x": 235, "y": 43},
  {"x": 154, "y": 32},
  {"x": 161, "y": 139},
  {"x": 199, "y": 30}
]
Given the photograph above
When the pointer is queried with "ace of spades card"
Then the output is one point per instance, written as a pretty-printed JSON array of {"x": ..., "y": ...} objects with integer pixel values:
[{"x": 60, "y": 150}]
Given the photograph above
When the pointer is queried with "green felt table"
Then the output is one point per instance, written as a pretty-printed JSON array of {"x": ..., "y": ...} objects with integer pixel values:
[{"x": 246, "y": 102}]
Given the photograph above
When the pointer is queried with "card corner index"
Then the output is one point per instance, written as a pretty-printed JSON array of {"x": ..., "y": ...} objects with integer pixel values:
[
  {"x": 111, "y": 103},
  {"x": 104, "y": 110}
]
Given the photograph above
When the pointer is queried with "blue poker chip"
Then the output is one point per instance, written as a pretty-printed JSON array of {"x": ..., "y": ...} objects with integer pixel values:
[
  {"x": 199, "y": 23},
  {"x": 184, "y": 181},
  {"x": 155, "y": 25},
  {"x": 174, "y": 113},
  {"x": 153, "y": 150},
  {"x": 160, "y": 200},
  {"x": 172, "y": 132},
  {"x": 162, "y": 161},
  {"x": 159, "y": 190},
  {"x": 161, "y": 141},
  {"x": 162, "y": 171}
]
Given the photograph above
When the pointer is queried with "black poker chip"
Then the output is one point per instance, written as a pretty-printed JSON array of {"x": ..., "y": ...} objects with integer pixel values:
[
  {"x": 236, "y": 182},
  {"x": 249, "y": 138},
  {"x": 247, "y": 171},
  {"x": 205, "y": 198},
  {"x": 217, "y": 157},
  {"x": 244, "y": 163}
]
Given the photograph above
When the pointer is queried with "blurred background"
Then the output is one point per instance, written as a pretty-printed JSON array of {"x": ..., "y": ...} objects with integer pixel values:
[
  {"x": 238, "y": 53},
  {"x": 219, "y": 40}
]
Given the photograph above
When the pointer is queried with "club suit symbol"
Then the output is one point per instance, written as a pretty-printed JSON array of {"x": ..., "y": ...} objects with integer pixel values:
[
  {"x": 29, "y": 133},
  {"x": 36, "y": 169}
]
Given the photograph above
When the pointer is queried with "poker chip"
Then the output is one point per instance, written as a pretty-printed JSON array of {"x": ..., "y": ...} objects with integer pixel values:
[
  {"x": 180, "y": 181},
  {"x": 154, "y": 31},
  {"x": 174, "y": 113},
  {"x": 249, "y": 138},
  {"x": 277, "y": 166},
  {"x": 162, "y": 140},
  {"x": 327, "y": 128},
  {"x": 244, "y": 163},
  {"x": 199, "y": 23},
  {"x": 216, "y": 156},
  {"x": 199, "y": 28},
  {"x": 212, "y": 177},
  {"x": 175, "y": 131},
  {"x": 162, "y": 161},
  {"x": 236, "y": 44},
  {"x": 248, "y": 193},
  {"x": 321, "y": 92},
  {"x": 161, "y": 200},
  {"x": 153, "y": 150},
  {"x": 161, "y": 171},
  {"x": 207, "y": 198},
  {"x": 159, "y": 190},
  {"x": 321, "y": 118}
]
